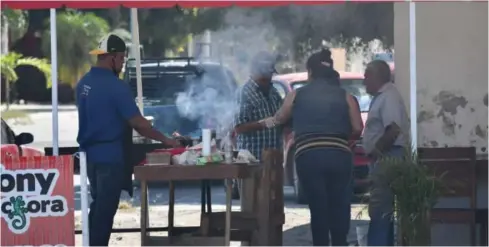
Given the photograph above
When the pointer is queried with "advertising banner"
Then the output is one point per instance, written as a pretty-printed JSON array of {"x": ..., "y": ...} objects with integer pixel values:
[{"x": 37, "y": 201}]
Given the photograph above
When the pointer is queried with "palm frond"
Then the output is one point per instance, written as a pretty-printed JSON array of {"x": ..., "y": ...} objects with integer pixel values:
[
  {"x": 10, "y": 61},
  {"x": 9, "y": 73}
]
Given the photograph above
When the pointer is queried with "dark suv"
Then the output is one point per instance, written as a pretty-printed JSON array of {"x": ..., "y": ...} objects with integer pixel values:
[{"x": 164, "y": 78}]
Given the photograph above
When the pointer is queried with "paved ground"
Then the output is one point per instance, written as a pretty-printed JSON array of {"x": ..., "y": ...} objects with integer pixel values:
[
  {"x": 38, "y": 107},
  {"x": 296, "y": 228},
  {"x": 187, "y": 213}
]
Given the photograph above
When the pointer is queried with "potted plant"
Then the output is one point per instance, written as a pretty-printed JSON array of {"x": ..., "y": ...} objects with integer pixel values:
[{"x": 416, "y": 190}]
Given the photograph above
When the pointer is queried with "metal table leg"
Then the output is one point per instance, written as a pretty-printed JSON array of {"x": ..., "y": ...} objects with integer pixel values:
[
  {"x": 144, "y": 212},
  {"x": 171, "y": 210},
  {"x": 227, "y": 232}
]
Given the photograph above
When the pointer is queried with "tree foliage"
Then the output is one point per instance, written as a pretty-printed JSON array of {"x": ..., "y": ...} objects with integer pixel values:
[
  {"x": 304, "y": 28},
  {"x": 77, "y": 34},
  {"x": 10, "y": 61},
  {"x": 17, "y": 22},
  {"x": 297, "y": 29}
]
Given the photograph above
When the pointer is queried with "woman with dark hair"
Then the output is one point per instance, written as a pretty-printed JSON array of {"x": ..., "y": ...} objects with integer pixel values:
[{"x": 324, "y": 118}]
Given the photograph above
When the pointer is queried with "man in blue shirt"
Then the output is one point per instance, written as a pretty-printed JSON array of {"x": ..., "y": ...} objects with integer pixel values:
[{"x": 107, "y": 114}]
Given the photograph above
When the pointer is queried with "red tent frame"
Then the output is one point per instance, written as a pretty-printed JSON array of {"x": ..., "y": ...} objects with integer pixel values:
[{"x": 153, "y": 4}]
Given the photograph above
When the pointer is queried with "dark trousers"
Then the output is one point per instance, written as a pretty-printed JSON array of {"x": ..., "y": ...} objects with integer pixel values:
[
  {"x": 380, "y": 208},
  {"x": 105, "y": 189},
  {"x": 325, "y": 175}
]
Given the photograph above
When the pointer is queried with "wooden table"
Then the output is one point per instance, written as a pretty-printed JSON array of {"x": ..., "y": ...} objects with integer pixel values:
[{"x": 153, "y": 173}]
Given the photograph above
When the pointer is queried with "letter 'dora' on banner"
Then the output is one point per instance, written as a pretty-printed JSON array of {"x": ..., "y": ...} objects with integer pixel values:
[{"x": 37, "y": 201}]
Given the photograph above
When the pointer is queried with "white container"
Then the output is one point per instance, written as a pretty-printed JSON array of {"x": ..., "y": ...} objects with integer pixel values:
[
  {"x": 228, "y": 150},
  {"x": 206, "y": 142},
  {"x": 362, "y": 232}
]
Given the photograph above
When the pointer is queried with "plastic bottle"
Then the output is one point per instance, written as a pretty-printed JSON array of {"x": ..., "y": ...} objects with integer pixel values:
[{"x": 228, "y": 150}]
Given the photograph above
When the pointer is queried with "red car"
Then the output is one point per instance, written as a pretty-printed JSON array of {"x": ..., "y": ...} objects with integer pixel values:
[
  {"x": 352, "y": 83},
  {"x": 12, "y": 144}
]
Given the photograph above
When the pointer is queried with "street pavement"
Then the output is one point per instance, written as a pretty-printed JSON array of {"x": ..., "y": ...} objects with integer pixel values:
[{"x": 296, "y": 228}]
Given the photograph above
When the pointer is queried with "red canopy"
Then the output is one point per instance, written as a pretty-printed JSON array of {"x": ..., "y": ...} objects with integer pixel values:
[{"x": 40, "y": 4}]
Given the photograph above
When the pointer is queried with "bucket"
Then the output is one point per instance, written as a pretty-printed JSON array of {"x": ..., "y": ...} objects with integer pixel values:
[{"x": 362, "y": 231}]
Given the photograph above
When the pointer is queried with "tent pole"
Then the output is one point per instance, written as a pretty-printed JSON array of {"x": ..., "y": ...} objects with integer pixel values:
[
  {"x": 137, "y": 53},
  {"x": 84, "y": 198},
  {"x": 413, "y": 74},
  {"x": 54, "y": 81}
]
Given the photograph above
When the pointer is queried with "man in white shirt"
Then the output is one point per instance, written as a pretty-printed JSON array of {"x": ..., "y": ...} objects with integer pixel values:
[{"x": 386, "y": 133}]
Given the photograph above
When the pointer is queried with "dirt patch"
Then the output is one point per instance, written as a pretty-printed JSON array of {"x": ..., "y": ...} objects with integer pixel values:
[
  {"x": 449, "y": 102},
  {"x": 480, "y": 132},
  {"x": 425, "y": 116}
]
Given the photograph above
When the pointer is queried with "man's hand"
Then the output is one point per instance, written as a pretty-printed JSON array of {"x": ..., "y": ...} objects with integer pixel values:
[{"x": 387, "y": 140}]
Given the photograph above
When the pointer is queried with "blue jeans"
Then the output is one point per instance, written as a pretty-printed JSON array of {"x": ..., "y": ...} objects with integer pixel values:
[
  {"x": 381, "y": 206},
  {"x": 106, "y": 182},
  {"x": 326, "y": 178}
]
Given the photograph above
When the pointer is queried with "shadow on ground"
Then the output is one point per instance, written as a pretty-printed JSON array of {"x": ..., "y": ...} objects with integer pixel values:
[
  {"x": 190, "y": 195},
  {"x": 185, "y": 194},
  {"x": 301, "y": 234}
]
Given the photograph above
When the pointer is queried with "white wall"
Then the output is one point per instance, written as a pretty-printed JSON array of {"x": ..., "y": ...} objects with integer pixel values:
[
  {"x": 452, "y": 71},
  {"x": 452, "y": 80}
]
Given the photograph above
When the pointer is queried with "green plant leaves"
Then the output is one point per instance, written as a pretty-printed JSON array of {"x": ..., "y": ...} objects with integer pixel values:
[
  {"x": 11, "y": 60},
  {"x": 416, "y": 190}
]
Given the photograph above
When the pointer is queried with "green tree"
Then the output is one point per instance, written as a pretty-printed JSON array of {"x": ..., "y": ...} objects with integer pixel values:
[
  {"x": 12, "y": 60},
  {"x": 77, "y": 34},
  {"x": 17, "y": 22}
]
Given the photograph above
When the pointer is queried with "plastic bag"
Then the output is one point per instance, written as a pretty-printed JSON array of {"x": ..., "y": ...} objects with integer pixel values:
[{"x": 246, "y": 156}]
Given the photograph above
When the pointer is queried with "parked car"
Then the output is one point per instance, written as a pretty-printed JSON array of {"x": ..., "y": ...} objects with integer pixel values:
[
  {"x": 164, "y": 78},
  {"x": 352, "y": 83},
  {"x": 12, "y": 145}
]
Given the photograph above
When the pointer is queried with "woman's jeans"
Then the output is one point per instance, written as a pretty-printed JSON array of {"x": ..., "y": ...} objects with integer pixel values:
[
  {"x": 381, "y": 205},
  {"x": 325, "y": 176}
]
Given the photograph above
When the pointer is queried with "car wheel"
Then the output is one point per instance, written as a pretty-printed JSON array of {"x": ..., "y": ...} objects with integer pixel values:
[{"x": 299, "y": 193}]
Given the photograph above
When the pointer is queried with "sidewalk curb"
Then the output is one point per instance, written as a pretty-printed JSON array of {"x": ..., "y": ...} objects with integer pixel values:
[{"x": 41, "y": 109}]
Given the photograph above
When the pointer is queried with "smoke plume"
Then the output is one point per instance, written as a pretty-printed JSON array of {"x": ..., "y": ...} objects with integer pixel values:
[{"x": 292, "y": 32}]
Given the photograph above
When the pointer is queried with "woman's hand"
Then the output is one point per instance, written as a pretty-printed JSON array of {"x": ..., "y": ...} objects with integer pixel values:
[{"x": 268, "y": 122}]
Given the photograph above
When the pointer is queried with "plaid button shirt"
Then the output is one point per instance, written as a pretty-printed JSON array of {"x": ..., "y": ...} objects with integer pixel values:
[{"x": 254, "y": 106}]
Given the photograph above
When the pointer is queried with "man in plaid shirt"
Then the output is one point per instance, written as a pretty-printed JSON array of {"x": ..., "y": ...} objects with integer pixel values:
[{"x": 258, "y": 100}]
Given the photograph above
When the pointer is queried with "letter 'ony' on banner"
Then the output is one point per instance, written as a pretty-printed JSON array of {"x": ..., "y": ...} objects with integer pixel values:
[{"x": 37, "y": 201}]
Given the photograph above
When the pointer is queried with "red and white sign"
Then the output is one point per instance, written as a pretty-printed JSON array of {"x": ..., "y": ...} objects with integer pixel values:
[{"x": 37, "y": 201}]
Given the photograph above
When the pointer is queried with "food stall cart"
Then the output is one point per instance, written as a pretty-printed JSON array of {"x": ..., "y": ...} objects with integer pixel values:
[
  {"x": 261, "y": 209},
  {"x": 53, "y": 5}
]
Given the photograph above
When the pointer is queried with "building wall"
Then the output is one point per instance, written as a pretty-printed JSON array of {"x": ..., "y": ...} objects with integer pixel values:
[
  {"x": 451, "y": 71},
  {"x": 452, "y": 86}
]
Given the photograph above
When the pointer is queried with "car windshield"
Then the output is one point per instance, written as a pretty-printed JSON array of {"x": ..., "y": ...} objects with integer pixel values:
[
  {"x": 162, "y": 88},
  {"x": 163, "y": 85},
  {"x": 352, "y": 86}
]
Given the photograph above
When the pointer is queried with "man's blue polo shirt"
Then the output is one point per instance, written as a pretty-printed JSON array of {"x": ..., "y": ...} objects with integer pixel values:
[{"x": 105, "y": 105}]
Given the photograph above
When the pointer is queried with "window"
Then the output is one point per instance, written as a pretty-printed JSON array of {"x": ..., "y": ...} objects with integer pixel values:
[
  {"x": 357, "y": 89},
  {"x": 352, "y": 86},
  {"x": 280, "y": 88}
]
